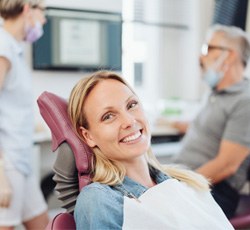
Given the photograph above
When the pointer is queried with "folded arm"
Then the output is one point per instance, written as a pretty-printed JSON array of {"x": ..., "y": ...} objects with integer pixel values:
[{"x": 226, "y": 163}]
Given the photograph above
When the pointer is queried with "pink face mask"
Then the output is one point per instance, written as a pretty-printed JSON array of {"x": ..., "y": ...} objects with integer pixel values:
[{"x": 33, "y": 33}]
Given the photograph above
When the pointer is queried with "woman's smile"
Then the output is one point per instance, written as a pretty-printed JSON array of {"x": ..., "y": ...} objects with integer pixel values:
[{"x": 132, "y": 138}]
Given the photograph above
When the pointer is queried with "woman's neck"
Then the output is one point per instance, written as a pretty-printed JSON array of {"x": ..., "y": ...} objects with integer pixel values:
[{"x": 138, "y": 170}]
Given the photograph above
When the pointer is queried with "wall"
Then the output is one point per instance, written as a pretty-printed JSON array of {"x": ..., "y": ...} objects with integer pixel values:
[{"x": 164, "y": 38}]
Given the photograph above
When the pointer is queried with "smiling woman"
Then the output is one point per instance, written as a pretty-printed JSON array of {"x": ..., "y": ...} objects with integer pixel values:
[{"x": 129, "y": 183}]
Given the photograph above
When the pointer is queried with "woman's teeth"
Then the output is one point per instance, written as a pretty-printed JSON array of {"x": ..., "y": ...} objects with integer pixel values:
[{"x": 132, "y": 137}]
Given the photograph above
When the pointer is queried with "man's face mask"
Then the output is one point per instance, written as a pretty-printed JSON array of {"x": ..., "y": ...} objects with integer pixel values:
[{"x": 212, "y": 75}]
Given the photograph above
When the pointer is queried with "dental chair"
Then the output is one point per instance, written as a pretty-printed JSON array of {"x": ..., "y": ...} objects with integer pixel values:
[{"x": 72, "y": 166}]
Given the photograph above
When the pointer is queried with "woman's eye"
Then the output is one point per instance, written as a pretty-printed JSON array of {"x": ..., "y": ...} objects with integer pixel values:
[
  {"x": 132, "y": 104},
  {"x": 107, "y": 116}
]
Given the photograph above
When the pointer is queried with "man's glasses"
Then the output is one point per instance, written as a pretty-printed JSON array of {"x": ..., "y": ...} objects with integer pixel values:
[{"x": 206, "y": 48}]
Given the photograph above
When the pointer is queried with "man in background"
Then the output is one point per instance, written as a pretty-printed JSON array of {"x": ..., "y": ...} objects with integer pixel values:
[{"x": 217, "y": 143}]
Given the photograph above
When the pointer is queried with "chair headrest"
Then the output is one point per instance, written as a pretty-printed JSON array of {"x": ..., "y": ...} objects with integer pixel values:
[{"x": 54, "y": 111}]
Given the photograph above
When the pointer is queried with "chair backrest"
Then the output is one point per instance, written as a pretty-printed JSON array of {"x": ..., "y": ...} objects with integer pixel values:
[
  {"x": 54, "y": 111},
  {"x": 73, "y": 163}
]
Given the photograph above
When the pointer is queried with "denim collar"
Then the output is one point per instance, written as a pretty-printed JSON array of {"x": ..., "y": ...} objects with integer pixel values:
[{"x": 131, "y": 188}]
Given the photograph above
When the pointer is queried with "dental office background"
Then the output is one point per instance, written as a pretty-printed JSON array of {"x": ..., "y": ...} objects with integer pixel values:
[{"x": 160, "y": 46}]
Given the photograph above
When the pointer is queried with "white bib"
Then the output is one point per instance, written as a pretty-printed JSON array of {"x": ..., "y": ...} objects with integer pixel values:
[{"x": 174, "y": 205}]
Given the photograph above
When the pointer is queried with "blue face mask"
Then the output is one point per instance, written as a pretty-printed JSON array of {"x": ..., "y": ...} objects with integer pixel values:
[{"x": 212, "y": 76}]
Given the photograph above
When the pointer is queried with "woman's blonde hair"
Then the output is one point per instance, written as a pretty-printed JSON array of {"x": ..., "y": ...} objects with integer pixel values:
[
  {"x": 12, "y": 8},
  {"x": 108, "y": 171}
]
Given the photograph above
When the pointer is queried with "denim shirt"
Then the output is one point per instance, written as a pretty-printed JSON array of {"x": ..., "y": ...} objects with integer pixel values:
[{"x": 100, "y": 206}]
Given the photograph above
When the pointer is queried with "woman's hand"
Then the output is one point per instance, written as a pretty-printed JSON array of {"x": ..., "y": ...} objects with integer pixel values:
[{"x": 5, "y": 189}]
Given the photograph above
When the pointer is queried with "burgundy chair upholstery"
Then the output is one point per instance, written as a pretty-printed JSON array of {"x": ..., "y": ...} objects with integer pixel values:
[
  {"x": 62, "y": 221},
  {"x": 242, "y": 218},
  {"x": 54, "y": 111}
]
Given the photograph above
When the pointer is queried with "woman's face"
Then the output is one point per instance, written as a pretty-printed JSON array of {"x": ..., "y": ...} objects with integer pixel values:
[{"x": 117, "y": 124}]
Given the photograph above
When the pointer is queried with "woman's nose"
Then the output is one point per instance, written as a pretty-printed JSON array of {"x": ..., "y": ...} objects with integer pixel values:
[{"x": 128, "y": 120}]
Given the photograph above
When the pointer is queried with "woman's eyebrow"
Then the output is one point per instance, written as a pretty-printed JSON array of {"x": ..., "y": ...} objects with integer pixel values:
[
  {"x": 111, "y": 107},
  {"x": 129, "y": 98}
]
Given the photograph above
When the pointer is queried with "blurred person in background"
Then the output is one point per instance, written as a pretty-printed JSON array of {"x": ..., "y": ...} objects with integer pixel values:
[
  {"x": 217, "y": 142},
  {"x": 21, "y": 200}
]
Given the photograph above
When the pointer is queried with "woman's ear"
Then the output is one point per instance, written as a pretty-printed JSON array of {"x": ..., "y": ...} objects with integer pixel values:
[{"x": 87, "y": 137}]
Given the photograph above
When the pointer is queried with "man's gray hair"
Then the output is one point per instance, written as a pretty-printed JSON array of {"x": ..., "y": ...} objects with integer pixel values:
[{"x": 235, "y": 38}]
